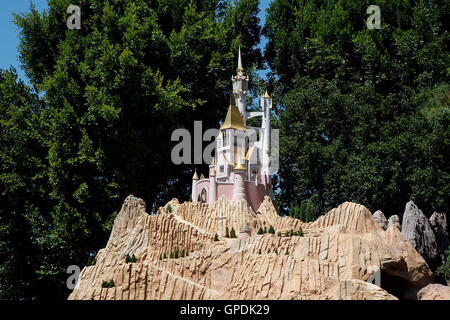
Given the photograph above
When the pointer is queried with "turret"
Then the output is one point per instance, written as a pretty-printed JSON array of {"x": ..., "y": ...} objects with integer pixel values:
[
  {"x": 194, "y": 186},
  {"x": 212, "y": 182},
  {"x": 266, "y": 106},
  {"x": 239, "y": 191},
  {"x": 244, "y": 231},
  {"x": 240, "y": 87}
]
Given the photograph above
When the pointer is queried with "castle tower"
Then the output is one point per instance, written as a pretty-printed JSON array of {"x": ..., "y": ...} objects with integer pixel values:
[
  {"x": 240, "y": 87},
  {"x": 244, "y": 231},
  {"x": 194, "y": 186},
  {"x": 212, "y": 183},
  {"x": 239, "y": 191},
  {"x": 266, "y": 106}
]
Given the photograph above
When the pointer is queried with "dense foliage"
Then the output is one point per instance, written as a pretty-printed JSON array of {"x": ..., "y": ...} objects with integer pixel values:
[
  {"x": 97, "y": 124},
  {"x": 444, "y": 269},
  {"x": 364, "y": 113}
]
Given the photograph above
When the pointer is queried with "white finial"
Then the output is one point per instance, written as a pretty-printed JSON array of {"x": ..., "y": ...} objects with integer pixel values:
[{"x": 239, "y": 59}]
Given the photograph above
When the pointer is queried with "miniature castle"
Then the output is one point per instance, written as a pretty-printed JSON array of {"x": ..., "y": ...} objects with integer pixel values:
[{"x": 240, "y": 169}]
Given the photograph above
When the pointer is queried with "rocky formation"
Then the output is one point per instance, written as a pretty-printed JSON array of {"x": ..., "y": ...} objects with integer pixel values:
[
  {"x": 380, "y": 218},
  {"x": 395, "y": 221},
  {"x": 177, "y": 257},
  {"x": 438, "y": 222},
  {"x": 434, "y": 292},
  {"x": 417, "y": 230}
]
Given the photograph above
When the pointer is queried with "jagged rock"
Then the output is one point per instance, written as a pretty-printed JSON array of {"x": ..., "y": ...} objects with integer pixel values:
[
  {"x": 354, "y": 289},
  {"x": 434, "y": 292},
  {"x": 394, "y": 220},
  {"x": 438, "y": 222},
  {"x": 380, "y": 219},
  {"x": 417, "y": 230},
  {"x": 334, "y": 258}
]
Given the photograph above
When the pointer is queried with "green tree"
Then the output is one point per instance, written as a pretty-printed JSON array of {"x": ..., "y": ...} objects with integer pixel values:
[
  {"x": 444, "y": 269},
  {"x": 271, "y": 229},
  {"x": 23, "y": 189},
  {"x": 216, "y": 237},
  {"x": 363, "y": 113},
  {"x": 112, "y": 93}
]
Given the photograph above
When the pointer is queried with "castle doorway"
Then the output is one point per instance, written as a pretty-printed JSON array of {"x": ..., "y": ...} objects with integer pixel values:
[{"x": 203, "y": 196}]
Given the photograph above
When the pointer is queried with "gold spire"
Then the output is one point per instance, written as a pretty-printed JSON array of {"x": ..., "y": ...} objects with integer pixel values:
[
  {"x": 202, "y": 177},
  {"x": 266, "y": 94},
  {"x": 195, "y": 177},
  {"x": 213, "y": 173},
  {"x": 233, "y": 120},
  {"x": 239, "y": 165},
  {"x": 213, "y": 162}
]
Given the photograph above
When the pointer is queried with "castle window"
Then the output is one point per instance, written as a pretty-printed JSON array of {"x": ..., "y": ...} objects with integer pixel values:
[
  {"x": 203, "y": 196},
  {"x": 222, "y": 168}
]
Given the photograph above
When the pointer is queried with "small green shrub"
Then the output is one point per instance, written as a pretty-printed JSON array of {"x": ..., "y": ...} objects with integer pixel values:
[
  {"x": 216, "y": 237},
  {"x": 108, "y": 284},
  {"x": 272, "y": 229},
  {"x": 260, "y": 231},
  {"x": 169, "y": 208},
  {"x": 233, "y": 233},
  {"x": 130, "y": 259}
]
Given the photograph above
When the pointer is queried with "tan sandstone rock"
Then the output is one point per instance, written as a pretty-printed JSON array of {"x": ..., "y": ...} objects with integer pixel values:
[
  {"x": 434, "y": 292},
  {"x": 334, "y": 258}
]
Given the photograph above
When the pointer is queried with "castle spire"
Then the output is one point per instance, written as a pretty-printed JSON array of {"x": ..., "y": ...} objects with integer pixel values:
[{"x": 239, "y": 67}]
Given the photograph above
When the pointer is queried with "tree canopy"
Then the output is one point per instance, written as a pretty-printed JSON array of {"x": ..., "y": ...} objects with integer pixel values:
[
  {"x": 364, "y": 113},
  {"x": 97, "y": 124}
]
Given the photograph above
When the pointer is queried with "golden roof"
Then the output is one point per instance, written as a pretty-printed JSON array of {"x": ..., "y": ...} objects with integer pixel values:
[
  {"x": 195, "y": 177},
  {"x": 233, "y": 120},
  {"x": 266, "y": 95}
]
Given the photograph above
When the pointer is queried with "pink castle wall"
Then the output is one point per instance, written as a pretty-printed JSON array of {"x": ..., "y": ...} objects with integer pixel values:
[{"x": 255, "y": 193}]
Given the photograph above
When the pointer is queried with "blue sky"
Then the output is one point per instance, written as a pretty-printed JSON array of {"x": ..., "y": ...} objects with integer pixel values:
[{"x": 9, "y": 32}]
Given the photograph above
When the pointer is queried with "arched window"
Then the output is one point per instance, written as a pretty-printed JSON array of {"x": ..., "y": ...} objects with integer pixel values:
[{"x": 203, "y": 196}]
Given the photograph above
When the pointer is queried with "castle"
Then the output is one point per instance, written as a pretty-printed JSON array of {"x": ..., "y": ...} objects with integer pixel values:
[{"x": 240, "y": 169}]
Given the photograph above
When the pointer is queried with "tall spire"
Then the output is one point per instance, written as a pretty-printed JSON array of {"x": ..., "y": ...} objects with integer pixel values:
[
  {"x": 239, "y": 59},
  {"x": 240, "y": 69}
]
